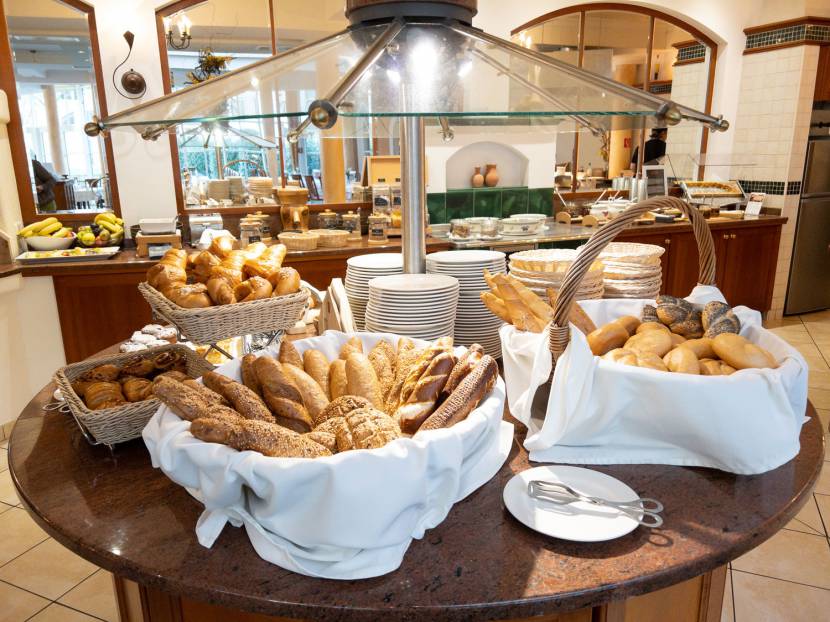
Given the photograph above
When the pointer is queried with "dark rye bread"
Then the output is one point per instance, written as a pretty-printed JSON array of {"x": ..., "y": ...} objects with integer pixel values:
[{"x": 475, "y": 386}]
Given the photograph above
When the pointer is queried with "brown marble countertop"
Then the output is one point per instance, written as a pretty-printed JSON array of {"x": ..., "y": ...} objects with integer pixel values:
[{"x": 115, "y": 510}]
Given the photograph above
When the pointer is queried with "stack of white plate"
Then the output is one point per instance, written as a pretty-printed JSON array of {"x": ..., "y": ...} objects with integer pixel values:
[
  {"x": 414, "y": 305},
  {"x": 261, "y": 186},
  {"x": 237, "y": 189},
  {"x": 545, "y": 269},
  {"x": 632, "y": 270},
  {"x": 361, "y": 269},
  {"x": 219, "y": 189},
  {"x": 474, "y": 323}
]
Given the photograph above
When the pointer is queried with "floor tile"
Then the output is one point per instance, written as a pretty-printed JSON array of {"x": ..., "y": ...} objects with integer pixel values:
[
  {"x": 819, "y": 397},
  {"x": 793, "y": 334},
  {"x": 727, "y": 613},
  {"x": 808, "y": 520},
  {"x": 18, "y": 534},
  {"x": 49, "y": 569},
  {"x": 823, "y": 504},
  {"x": 784, "y": 321},
  {"x": 792, "y": 556},
  {"x": 819, "y": 379},
  {"x": 762, "y": 599},
  {"x": 95, "y": 596},
  {"x": 824, "y": 417},
  {"x": 812, "y": 355},
  {"x": 59, "y": 613},
  {"x": 4, "y": 460},
  {"x": 823, "y": 483},
  {"x": 18, "y": 605},
  {"x": 7, "y": 492}
]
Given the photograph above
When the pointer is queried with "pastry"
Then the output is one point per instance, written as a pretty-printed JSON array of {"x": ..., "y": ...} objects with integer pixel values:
[
  {"x": 139, "y": 366},
  {"x": 463, "y": 367},
  {"x": 682, "y": 361},
  {"x": 740, "y": 353},
  {"x": 221, "y": 291},
  {"x": 102, "y": 394},
  {"x": 169, "y": 360},
  {"x": 316, "y": 365},
  {"x": 102, "y": 373},
  {"x": 475, "y": 386},
  {"x": 367, "y": 428},
  {"x": 249, "y": 377},
  {"x": 352, "y": 345},
  {"x": 606, "y": 338},
  {"x": 424, "y": 396},
  {"x": 281, "y": 395},
  {"x": 341, "y": 407},
  {"x": 137, "y": 389},
  {"x": 654, "y": 341},
  {"x": 255, "y": 288},
  {"x": 244, "y": 401},
  {"x": 285, "y": 281},
  {"x": 140, "y": 337},
  {"x": 221, "y": 246},
  {"x": 362, "y": 380},
  {"x": 701, "y": 347},
  {"x": 266, "y": 438},
  {"x": 717, "y": 318},
  {"x": 314, "y": 399},
  {"x": 173, "y": 374},
  {"x": 338, "y": 383},
  {"x": 710, "y": 367},
  {"x": 209, "y": 395},
  {"x": 254, "y": 250},
  {"x": 288, "y": 354},
  {"x": 190, "y": 296},
  {"x": 164, "y": 276},
  {"x": 202, "y": 264},
  {"x": 680, "y": 316},
  {"x": 267, "y": 263}
]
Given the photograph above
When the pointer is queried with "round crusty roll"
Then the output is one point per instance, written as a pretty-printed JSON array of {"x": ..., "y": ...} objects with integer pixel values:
[
  {"x": 635, "y": 359},
  {"x": 285, "y": 281},
  {"x": 701, "y": 347},
  {"x": 606, "y": 338},
  {"x": 710, "y": 367},
  {"x": 362, "y": 380},
  {"x": 630, "y": 323},
  {"x": 682, "y": 361},
  {"x": 190, "y": 296},
  {"x": 255, "y": 288},
  {"x": 740, "y": 353},
  {"x": 654, "y": 341},
  {"x": 651, "y": 326},
  {"x": 341, "y": 407}
]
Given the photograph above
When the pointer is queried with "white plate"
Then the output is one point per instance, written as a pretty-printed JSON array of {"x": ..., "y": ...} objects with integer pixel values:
[
  {"x": 383, "y": 261},
  {"x": 580, "y": 521},
  {"x": 466, "y": 256},
  {"x": 415, "y": 283}
]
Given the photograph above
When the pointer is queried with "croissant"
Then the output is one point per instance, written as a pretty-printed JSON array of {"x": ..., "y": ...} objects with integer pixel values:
[
  {"x": 221, "y": 246},
  {"x": 220, "y": 291},
  {"x": 164, "y": 276},
  {"x": 285, "y": 281},
  {"x": 255, "y": 288},
  {"x": 254, "y": 250},
  {"x": 189, "y": 296},
  {"x": 202, "y": 265},
  {"x": 267, "y": 263},
  {"x": 100, "y": 395}
]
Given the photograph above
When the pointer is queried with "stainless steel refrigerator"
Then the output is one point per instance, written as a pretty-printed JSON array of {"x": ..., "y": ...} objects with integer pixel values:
[{"x": 809, "y": 285}]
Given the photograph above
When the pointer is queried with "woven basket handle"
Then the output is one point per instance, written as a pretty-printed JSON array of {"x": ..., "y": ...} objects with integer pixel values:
[{"x": 559, "y": 332}]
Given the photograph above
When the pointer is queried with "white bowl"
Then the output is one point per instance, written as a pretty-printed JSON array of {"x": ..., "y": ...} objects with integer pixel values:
[{"x": 48, "y": 243}]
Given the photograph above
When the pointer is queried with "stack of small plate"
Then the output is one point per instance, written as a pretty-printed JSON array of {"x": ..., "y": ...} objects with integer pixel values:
[
  {"x": 546, "y": 268},
  {"x": 219, "y": 189},
  {"x": 261, "y": 186},
  {"x": 474, "y": 323},
  {"x": 359, "y": 271},
  {"x": 632, "y": 270},
  {"x": 415, "y": 305},
  {"x": 237, "y": 190}
]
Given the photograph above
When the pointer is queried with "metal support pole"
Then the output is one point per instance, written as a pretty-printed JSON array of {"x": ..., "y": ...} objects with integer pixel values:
[{"x": 413, "y": 187}]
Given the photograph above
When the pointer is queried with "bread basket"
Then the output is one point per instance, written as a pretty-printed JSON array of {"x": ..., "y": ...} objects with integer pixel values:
[
  {"x": 212, "y": 324},
  {"x": 299, "y": 241},
  {"x": 123, "y": 423},
  {"x": 331, "y": 238},
  {"x": 582, "y": 409}
]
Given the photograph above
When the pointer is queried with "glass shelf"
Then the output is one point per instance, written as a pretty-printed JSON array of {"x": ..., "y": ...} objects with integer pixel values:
[{"x": 424, "y": 69}]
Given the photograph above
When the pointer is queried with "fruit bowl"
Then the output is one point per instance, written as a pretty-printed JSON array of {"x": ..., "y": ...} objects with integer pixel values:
[{"x": 49, "y": 243}]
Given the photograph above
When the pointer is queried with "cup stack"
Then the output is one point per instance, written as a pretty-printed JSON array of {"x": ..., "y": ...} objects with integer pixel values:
[
  {"x": 473, "y": 321},
  {"x": 359, "y": 271},
  {"x": 414, "y": 305}
]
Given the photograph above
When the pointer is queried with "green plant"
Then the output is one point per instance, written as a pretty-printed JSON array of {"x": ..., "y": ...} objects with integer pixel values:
[{"x": 210, "y": 65}]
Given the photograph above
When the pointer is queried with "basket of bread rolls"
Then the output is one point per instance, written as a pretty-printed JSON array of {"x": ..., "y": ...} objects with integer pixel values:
[
  {"x": 683, "y": 381},
  {"x": 337, "y": 450},
  {"x": 112, "y": 397},
  {"x": 224, "y": 292}
]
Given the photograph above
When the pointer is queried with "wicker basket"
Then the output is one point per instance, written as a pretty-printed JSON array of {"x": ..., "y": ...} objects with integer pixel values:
[
  {"x": 295, "y": 241},
  {"x": 213, "y": 324},
  {"x": 331, "y": 238},
  {"x": 123, "y": 423}
]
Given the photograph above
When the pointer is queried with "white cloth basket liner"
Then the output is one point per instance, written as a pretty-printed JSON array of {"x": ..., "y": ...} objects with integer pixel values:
[
  {"x": 600, "y": 412},
  {"x": 348, "y": 516}
]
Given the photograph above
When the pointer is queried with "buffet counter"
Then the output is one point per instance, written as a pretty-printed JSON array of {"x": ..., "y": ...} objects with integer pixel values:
[{"x": 479, "y": 563}]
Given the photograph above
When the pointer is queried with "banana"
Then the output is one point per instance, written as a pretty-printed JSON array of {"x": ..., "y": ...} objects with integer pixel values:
[
  {"x": 106, "y": 217},
  {"x": 36, "y": 227},
  {"x": 63, "y": 232},
  {"x": 49, "y": 229},
  {"x": 111, "y": 227},
  {"x": 119, "y": 222}
]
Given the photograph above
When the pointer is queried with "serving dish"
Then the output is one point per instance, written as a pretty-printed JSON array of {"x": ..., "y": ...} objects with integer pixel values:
[
  {"x": 67, "y": 256},
  {"x": 49, "y": 243}
]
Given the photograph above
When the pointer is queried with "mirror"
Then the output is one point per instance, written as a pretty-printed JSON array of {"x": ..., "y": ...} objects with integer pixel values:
[{"x": 57, "y": 93}]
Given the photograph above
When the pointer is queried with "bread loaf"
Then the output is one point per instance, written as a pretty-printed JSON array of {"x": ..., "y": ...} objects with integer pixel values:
[
  {"x": 576, "y": 315},
  {"x": 249, "y": 377},
  {"x": 209, "y": 395},
  {"x": 474, "y": 388},
  {"x": 317, "y": 365},
  {"x": 496, "y": 306},
  {"x": 740, "y": 353},
  {"x": 266, "y": 438},
  {"x": 338, "y": 383},
  {"x": 423, "y": 399},
  {"x": 352, "y": 345},
  {"x": 314, "y": 399},
  {"x": 464, "y": 366},
  {"x": 288, "y": 354},
  {"x": 186, "y": 402},
  {"x": 362, "y": 380},
  {"x": 244, "y": 400},
  {"x": 281, "y": 395}
]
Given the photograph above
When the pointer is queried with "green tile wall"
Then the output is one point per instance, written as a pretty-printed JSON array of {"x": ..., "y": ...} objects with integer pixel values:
[{"x": 494, "y": 202}]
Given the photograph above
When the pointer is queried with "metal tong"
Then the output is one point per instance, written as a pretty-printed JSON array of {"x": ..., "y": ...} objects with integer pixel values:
[{"x": 645, "y": 511}]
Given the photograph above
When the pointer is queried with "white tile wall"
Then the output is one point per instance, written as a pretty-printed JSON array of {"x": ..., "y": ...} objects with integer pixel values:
[{"x": 688, "y": 88}]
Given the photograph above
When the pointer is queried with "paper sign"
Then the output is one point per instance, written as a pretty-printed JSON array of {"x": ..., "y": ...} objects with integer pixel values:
[{"x": 756, "y": 201}]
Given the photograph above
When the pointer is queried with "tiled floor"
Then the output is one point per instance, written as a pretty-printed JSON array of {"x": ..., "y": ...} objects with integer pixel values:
[{"x": 786, "y": 579}]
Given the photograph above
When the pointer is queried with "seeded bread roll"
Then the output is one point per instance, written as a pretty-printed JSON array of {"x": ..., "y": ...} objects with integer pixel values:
[
  {"x": 244, "y": 401},
  {"x": 326, "y": 439},
  {"x": 266, "y": 438},
  {"x": 367, "y": 428},
  {"x": 249, "y": 377},
  {"x": 186, "y": 402},
  {"x": 362, "y": 380},
  {"x": 317, "y": 366},
  {"x": 211, "y": 396},
  {"x": 341, "y": 407},
  {"x": 314, "y": 399}
]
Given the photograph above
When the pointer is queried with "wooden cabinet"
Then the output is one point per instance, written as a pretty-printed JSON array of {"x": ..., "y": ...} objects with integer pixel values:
[
  {"x": 746, "y": 260},
  {"x": 822, "y": 93}
]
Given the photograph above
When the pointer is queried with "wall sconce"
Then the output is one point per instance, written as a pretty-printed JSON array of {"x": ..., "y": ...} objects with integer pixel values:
[
  {"x": 184, "y": 25},
  {"x": 132, "y": 82}
]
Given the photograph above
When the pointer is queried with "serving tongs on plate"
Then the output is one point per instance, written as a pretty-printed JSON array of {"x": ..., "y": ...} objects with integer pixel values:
[{"x": 645, "y": 511}]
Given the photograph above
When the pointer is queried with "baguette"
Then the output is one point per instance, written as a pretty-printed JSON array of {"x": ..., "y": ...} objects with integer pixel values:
[
  {"x": 187, "y": 403},
  {"x": 406, "y": 358},
  {"x": 475, "y": 387},
  {"x": 288, "y": 354},
  {"x": 314, "y": 399},
  {"x": 281, "y": 395},
  {"x": 463, "y": 367},
  {"x": 249, "y": 377},
  {"x": 361, "y": 379},
  {"x": 352, "y": 345},
  {"x": 424, "y": 397},
  {"x": 244, "y": 400},
  {"x": 496, "y": 306},
  {"x": 316, "y": 365},
  {"x": 576, "y": 315},
  {"x": 211, "y": 396},
  {"x": 338, "y": 383},
  {"x": 521, "y": 316},
  {"x": 539, "y": 307},
  {"x": 266, "y": 438},
  {"x": 383, "y": 357}
]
